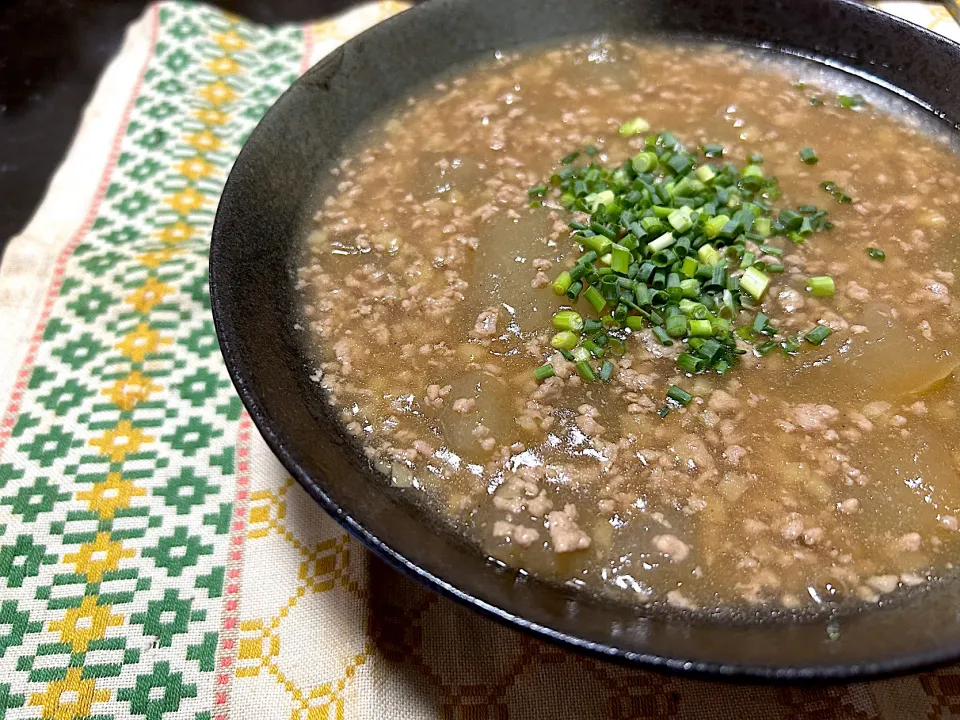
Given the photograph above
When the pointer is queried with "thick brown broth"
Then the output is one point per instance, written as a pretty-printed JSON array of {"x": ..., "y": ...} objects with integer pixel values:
[{"x": 790, "y": 481}]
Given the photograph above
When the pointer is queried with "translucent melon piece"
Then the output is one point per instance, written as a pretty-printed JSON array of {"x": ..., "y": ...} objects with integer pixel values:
[
  {"x": 889, "y": 362},
  {"x": 502, "y": 271},
  {"x": 493, "y": 408}
]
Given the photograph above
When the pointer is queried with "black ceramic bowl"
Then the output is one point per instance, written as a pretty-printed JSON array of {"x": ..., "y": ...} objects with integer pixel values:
[{"x": 264, "y": 213}]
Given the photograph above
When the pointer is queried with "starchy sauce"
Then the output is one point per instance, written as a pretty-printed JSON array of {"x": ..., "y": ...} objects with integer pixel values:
[{"x": 794, "y": 480}]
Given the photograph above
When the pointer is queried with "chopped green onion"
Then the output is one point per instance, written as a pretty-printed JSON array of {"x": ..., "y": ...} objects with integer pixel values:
[
  {"x": 644, "y": 162},
  {"x": 679, "y": 219},
  {"x": 851, "y": 102},
  {"x": 818, "y": 335},
  {"x": 672, "y": 245},
  {"x": 562, "y": 283},
  {"x": 586, "y": 371},
  {"x": 690, "y": 363},
  {"x": 580, "y": 354},
  {"x": 634, "y": 127},
  {"x": 690, "y": 288},
  {"x": 763, "y": 226},
  {"x": 771, "y": 250},
  {"x": 595, "y": 298},
  {"x": 754, "y": 282},
  {"x": 604, "y": 197},
  {"x": 568, "y": 320},
  {"x": 708, "y": 255},
  {"x": 700, "y": 328},
  {"x": 714, "y": 225},
  {"x": 705, "y": 173},
  {"x": 606, "y": 370},
  {"x": 661, "y": 243},
  {"x": 809, "y": 156},
  {"x": 760, "y": 322},
  {"x": 713, "y": 151},
  {"x": 679, "y": 395},
  {"x": 600, "y": 244},
  {"x": 822, "y": 286},
  {"x": 876, "y": 254},
  {"x": 790, "y": 345},
  {"x": 565, "y": 340},
  {"x": 661, "y": 335},
  {"x": 752, "y": 174},
  {"x": 543, "y": 372},
  {"x": 676, "y": 326},
  {"x": 619, "y": 259}
]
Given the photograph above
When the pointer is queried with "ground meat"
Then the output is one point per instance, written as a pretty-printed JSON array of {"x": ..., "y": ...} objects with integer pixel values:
[
  {"x": 849, "y": 506},
  {"x": 540, "y": 505},
  {"x": 909, "y": 542},
  {"x": 586, "y": 422},
  {"x": 436, "y": 394},
  {"x": 671, "y": 546},
  {"x": 565, "y": 534},
  {"x": 522, "y": 536},
  {"x": 540, "y": 280},
  {"x": 734, "y": 454},
  {"x": 722, "y": 402},
  {"x": 856, "y": 292},
  {"x": 486, "y": 325},
  {"x": 463, "y": 405},
  {"x": 814, "y": 417}
]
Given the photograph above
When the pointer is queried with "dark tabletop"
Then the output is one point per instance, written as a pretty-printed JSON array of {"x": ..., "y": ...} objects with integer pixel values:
[{"x": 51, "y": 54}]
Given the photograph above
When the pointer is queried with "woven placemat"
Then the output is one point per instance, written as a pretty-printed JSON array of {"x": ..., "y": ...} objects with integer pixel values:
[{"x": 155, "y": 560}]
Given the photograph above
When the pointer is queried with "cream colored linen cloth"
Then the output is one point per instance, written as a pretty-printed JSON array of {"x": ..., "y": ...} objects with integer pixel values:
[{"x": 155, "y": 559}]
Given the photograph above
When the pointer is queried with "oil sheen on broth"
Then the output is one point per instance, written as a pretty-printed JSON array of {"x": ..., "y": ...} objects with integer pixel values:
[{"x": 794, "y": 481}]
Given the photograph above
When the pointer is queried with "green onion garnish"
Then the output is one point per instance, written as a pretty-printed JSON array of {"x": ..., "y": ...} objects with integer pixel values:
[
  {"x": 634, "y": 127},
  {"x": 851, "y": 102},
  {"x": 818, "y": 335},
  {"x": 679, "y": 395},
  {"x": 586, "y": 371},
  {"x": 562, "y": 283},
  {"x": 595, "y": 298},
  {"x": 565, "y": 340},
  {"x": 822, "y": 286},
  {"x": 543, "y": 372},
  {"x": 876, "y": 254},
  {"x": 676, "y": 326},
  {"x": 670, "y": 245},
  {"x": 754, "y": 282},
  {"x": 809, "y": 156},
  {"x": 606, "y": 370},
  {"x": 568, "y": 320}
]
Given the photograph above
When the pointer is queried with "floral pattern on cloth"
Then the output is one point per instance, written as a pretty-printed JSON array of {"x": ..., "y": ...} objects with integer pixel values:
[{"x": 155, "y": 559}]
